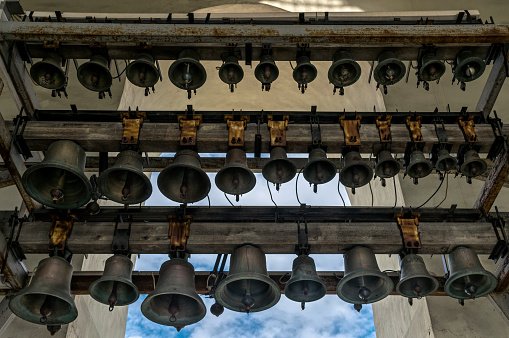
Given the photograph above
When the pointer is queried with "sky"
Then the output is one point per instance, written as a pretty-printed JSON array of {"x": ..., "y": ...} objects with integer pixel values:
[{"x": 327, "y": 317}]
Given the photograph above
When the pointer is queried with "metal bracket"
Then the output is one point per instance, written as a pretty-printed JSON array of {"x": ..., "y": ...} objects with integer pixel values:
[
  {"x": 17, "y": 138},
  {"x": 383, "y": 124},
  {"x": 236, "y": 125},
  {"x": 414, "y": 126},
  {"x": 351, "y": 129},
  {"x": 188, "y": 129},
  {"x": 500, "y": 249},
  {"x": 132, "y": 123},
  {"x": 179, "y": 231},
  {"x": 51, "y": 44},
  {"x": 316, "y": 133},
  {"x": 467, "y": 125},
  {"x": 61, "y": 228},
  {"x": 120, "y": 242},
  {"x": 303, "y": 247},
  {"x": 408, "y": 225},
  {"x": 500, "y": 142},
  {"x": 277, "y": 131}
]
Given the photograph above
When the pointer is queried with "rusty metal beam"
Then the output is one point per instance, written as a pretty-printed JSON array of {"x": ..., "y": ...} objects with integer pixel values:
[
  {"x": 493, "y": 184},
  {"x": 494, "y": 84}
]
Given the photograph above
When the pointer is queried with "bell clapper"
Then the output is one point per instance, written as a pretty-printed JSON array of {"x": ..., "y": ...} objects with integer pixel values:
[
  {"x": 470, "y": 289},
  {"x": 302, "y": 305},
  {"x": 126, "y": 190},
  {"x": 248, "y": 302},
  {"x": 357, "y": 307},
  {"x": 112, "y": 300},
  {"x": 174, "y": 309},
  {"x": 53, "y": 329},
  {"x": 216, "y": 309},
  {"x": 461, "y": 302},
  {"x": 411, "y": 301},
  {"x": 46, "y": 309},
  {"x": 364, "y": 294},
  {"x": 417, "y": 290},
  {"x": 184, "y": 187},
  {"x": 57, "y": 193}
]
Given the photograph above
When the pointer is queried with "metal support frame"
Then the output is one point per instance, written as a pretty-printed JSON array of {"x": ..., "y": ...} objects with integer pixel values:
[
  {"x": 351, "y": 129},
  {"x": 132, "y": 123},
  {"x": 236, "y": 126},
  {"x": 277, "y": 130}
]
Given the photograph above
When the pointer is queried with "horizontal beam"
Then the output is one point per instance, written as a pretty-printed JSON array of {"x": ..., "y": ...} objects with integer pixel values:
[{"x": 212, "y": 137}]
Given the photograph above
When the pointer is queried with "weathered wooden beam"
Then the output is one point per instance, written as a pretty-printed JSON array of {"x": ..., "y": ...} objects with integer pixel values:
[
  {"x": 494, "y": 84},
  {"x": 212, "y": 137},
  {"x": 274, "y": 238},
  {"x": 14, "y": 273},
  {"x": 493, "y": 184},
  {"x": 5, "y": 179}
]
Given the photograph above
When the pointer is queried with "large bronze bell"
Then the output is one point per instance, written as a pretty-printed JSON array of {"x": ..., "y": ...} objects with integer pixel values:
[
  {"x": 415, "y": 281},
  {"x": 231, "y": 72},
  {"x": 467, "y": 277},
  {"x": 266, "y": 71},
  {"x": 304, "y": 284},
  {"x": 468, "y": 67},
  {"x": 473, "y": 165},
  {"x": 386, "y": 166},
  {"x": 59, "y": 180},
  {"x": 432, "y": 68},
  {"x": 142, "y": 72},
  {"x": 187, "y": 72},
  {"x": 445, "y": 161},
  {"x": 115, "y": 287},
  {"x": 47, "y": 300},
  {"x": 95, "y": 74},
  {"x": 304, "y": 72},
  {"x": 319, "y": 169},
  {"x": 235, "y": 178},
  {"x": 363, "y": 281},
  {"x": 184, "y": 181},
  {"x": 345, "y": 71},
  {"x": 248, "y": 287},
  {"x": 356, "y": 172},
  {"x": 125, "y": 182},
  {"x": 418, "y": 166},
  {"x": 279, "y": 169},
  {"x": 174, "y": 301},
  {"x": 389, "y": 70},
  {"x": 48, "y": 73}
]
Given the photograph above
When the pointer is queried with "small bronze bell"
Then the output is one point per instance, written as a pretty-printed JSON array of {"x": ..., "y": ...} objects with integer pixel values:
[
  {"x": 356, "y": 172},
  {"x": 142, "y": 72},
  {"x": 48, "y": 73},
  {"x": 279, "y": 169},
  {"x": 95, "y": 74},
  {"x": 235, "y": 178},
  {"x": 416, "y": 281},
  {"x": 319, "y": 169},
  {"x": 304, "y": 284}
]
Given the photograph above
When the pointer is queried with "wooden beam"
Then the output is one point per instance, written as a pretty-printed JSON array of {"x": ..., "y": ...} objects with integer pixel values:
[
  {"x": 212, "y": 137},
  {"x": 493, "y": 184},
  {"x": 14, "y": 273},
  {"x": 494, "y": 84},
  {"x": 5, "y": 179}
]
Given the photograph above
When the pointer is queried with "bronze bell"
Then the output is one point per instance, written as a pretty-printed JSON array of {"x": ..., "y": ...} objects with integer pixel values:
[
  {"x": 184, "y": 181},
  {"x": 231, "y": 72},
  {"x": 386, "y": 166},
  {"x": 48, "y": 73},
  {"x": 266, "y": 71},
  {"x": 115, "y": 287},
  {"x": 235, "y": 178},
  {"x": 473, "y": 165},
  {"x": 187, "y": 72},
  {"x": 95, "y": 74},
  {"x": 345, "y": 71},
  {"x": 304, "y": 73},
  {"x": 389, "y": 70},
  {"x": 445, "y": 161},
  {"x": 418, "y": 166},
  {"x": 248, "y": 287},
  {"x": 279, "y": 169},
  {"x": 467, "y": 277},
  {"x": 415, "y": 282},
  {"x": 304, "y": 285},
  {"x": 47, "y": 300},
  {"x": 142, "y": 72},
  {"x": 59, "y": 180},
  {"x": 125, "y": 182},
  {"x": 363, "y": 281},
  {"x": 468, "y": 66},
  {"x": 356, "y": 172},
  {"x": 174, "y": 301},
  {"x": 432, "y": 68},
  {"x": 319, "y": 169}
]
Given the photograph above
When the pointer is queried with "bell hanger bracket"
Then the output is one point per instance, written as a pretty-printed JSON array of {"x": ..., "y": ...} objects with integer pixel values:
[
  {"x": 53, "y": 44},
  {"x": 17, "y": 138},
  {"x": 408, "y": 223},
  {"x": 500, "y": 249},
  {"x": 383, "y": 124},
  {"x": 132, "y": 123},
  {"x": 61, "y": 227},
  {"x": 277, "y": 130},
  {"x": 188, "y": 127},
  {"x": 236, "y": 125},
  {"x": 467, "y": 125},
  {"x": 351, "y": 127},
  {"x": 120, "y": 242},
  {"x": 178, "y": 232},
  {"x": 414, "y": 126},
  {"x": 316, "y": 132},
  {"x": 303, "y": 247}
]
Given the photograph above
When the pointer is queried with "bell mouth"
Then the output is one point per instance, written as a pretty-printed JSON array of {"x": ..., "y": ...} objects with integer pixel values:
[
  {"x": 127, "y": 292},
  {"x": 378, "y": 284},
  {"x": 407, "y": 286},
  {"x": 483, "y": 281}
]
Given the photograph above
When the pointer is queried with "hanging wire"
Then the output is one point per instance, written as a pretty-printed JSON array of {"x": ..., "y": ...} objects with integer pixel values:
[
  {"x": 371, "y": 190},
  {"x": 209, "y": 200},
  {"x": 296, "y": 186},
  {"x": 229, "y": 200},
  {"x": 339, "y": 192},
  {"x": 441, "y": 182},
  {"x": 395, "y": 192},
  {"x": 270, "y": 193},
  {"x": 291, "y": 65},
  {"x": 119, "y": 75},
  {"x": 446, "y": 189}
]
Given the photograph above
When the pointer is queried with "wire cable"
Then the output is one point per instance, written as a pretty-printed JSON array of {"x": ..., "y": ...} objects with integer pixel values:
[
  {"x": 291, "y": 65},
  {"x": 371, "y": 190},
  {"x": 446, "y": 189},
  {"x": 296, "y": 186},
  {"x": 229, "y": 200},
  {"x": 395, "y": 192},
  {"x": 441, "y": 182},
  {"x": 270, "y": 193},
  {"x": 339, "y": 192},
  {"x": 119, "y": 75},
  {"x": 209, "y": 200}
]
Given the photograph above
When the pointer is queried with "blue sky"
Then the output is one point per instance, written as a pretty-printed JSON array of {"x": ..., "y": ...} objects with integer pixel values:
[{"x": 327, "y": 317}]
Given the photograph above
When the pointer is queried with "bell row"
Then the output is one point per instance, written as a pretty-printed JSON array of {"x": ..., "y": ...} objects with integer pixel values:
[
  {"x": 59, "y": 180},
  {"x": 247, "y": 287},
  {"x": 188, "y": 73}
]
